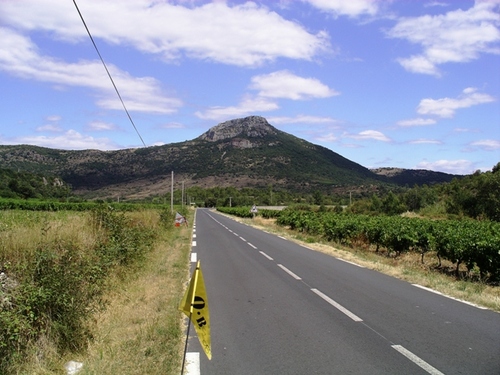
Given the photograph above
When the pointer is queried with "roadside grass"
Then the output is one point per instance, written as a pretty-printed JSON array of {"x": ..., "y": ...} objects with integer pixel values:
[
  {"x": 141, "y": 330},
  {"x": 24, "y": 237},
  {"x": 133, "y": 327},
  {"x": 406, "y": 267}
]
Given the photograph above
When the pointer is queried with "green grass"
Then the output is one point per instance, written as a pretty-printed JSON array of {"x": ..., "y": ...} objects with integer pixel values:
[{"x": 68, "y": 271}]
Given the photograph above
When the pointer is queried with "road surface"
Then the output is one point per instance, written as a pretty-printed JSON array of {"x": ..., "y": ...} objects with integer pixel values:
[{"x": 279, "y": 308}]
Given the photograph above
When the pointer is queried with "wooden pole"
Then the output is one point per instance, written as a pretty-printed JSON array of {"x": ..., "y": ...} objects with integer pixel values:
[{"x": 172, "y": 193}]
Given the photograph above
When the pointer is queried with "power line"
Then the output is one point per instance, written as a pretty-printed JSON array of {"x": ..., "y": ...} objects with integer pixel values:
[{"x": 109, "y": 74}]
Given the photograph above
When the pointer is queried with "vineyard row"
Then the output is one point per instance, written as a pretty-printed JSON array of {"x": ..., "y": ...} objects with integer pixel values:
[{"x": 475, "y": 244}]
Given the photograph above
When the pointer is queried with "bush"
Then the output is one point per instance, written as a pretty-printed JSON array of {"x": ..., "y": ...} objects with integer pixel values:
[
  {"x": 51, "y": 290},
  {"x": 474, "y": 244},
  {"x": 57, "y": 291}
]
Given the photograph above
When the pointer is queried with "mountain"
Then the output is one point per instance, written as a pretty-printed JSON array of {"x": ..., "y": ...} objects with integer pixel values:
[
  {"x": 241, "y": 153},
  {"x": 411, "y": 177}
]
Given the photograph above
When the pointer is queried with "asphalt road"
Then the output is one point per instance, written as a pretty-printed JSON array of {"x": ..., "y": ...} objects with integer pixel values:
[{"x": 279, "y": 308}]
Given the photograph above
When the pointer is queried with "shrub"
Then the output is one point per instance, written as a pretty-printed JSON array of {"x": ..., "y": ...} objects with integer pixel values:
[{"x": 51, "y": 290}]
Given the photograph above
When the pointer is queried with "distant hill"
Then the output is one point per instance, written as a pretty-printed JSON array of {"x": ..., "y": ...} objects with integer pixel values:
[
  {"x": 246, "y": 152},
  {"x": 411, "y": 177}
]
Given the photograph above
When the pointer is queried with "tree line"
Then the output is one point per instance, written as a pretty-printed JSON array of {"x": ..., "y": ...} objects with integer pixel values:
[
  {"x": 476, "y": 196},
  {"x": 27, "y": 185}
]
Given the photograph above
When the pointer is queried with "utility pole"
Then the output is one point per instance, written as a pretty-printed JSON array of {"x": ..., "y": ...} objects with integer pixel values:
[
  {"x": 230, "y": 201},
  {"x": 172, "y": 194},
  {"x": 182, "y": 195}
]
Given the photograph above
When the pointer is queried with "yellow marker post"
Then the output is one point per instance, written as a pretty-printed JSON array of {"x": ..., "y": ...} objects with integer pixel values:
[{"x": 195, "y": 305}]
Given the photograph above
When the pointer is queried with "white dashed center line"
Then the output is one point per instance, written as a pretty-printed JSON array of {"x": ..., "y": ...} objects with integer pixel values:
[
  {"x": 417, "y": 360},
  {"x": 338, "y": 306},
  {"x": 267, "y": 256},
  {"x": 289, "y": 272}
]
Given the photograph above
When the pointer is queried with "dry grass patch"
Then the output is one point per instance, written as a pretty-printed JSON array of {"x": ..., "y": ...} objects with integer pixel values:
[{"x": 141, "y": 330}]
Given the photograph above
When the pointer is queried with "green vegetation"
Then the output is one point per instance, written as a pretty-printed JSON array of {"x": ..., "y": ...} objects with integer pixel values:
[
  {"x": 141, "y": 331},
  {"x": 456, "y": 221},
  {"x": 408, "y": 266},
  {"x": 58, "y": 256},
  {"x": 268, "y": 155},
  {"x": 237, "y": 211},
  {"x": 474, "y": 244},
  {"x": 55, "y": 268},
  {"x": 231, "y": 196},
  {"x": 28, "y": 185},
  {"x": 476, "y": 196},
  {"x": 53, "y": 205}
]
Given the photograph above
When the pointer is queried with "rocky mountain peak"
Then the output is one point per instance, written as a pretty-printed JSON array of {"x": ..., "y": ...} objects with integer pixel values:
[{"x": 252, "y": 126}]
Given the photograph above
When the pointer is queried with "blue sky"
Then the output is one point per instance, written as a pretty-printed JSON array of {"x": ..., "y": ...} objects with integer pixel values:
[{"x": 408, "y": 84}]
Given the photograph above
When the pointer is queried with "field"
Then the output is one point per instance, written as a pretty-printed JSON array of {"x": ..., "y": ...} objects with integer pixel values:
[{"x": 99, "y": 287}]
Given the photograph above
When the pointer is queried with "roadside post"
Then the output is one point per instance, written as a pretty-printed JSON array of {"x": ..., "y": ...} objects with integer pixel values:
[{"x": 253, "y": 211}]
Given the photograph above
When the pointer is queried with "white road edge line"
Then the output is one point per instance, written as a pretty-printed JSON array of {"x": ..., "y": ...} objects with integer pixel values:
[
  {"x": 193, "y": 257},
  {"x": 289, "y": 272},
  {"x": 193, "y": 243},
  {"x": 255, "y": 247},
  {"x": 450, "y": 297},
  {"x": 417, "y": 360},
  {"x": 337, "y": 306},
  {"x": 241, "y": 238},
  {"x": 267, "y": 256},
  {"x": 354, "y": 264},
  {"x": 192, "y": 363}
]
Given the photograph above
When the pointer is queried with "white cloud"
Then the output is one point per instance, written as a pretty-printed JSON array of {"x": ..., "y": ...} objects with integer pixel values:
[
  {"x": 70, "y": 140},
  {"x": 302, "y": 119},
  {"x": 370, "y": 135},
  {"x": 419, "y": 64},
  {"x": 277, "y": 85},
  {"x": 416, "y": 122},
  {"x": 286, "y": 85},
  {"x": 330, "y": 137},
  {"x": 456, "y": 36},
  {"x": 487, "y": 144},
  {"x": 49, "y": 128},
  {"x": 350, "y": 8},
  {"x": 421, "y": 141},
  {"x": 446, "y": 107},
  {"x": 53, "y": 118},
  {"x": 172, "y": 125},
  {"x": 20, "y": 57},
  {"x": 435, "y": 4},
  {"x": 238, "y": 35},
  {"x": 101, "y": 126},
  {"x": 246, "y": 107},
  {"x": 448, "y": 166}
]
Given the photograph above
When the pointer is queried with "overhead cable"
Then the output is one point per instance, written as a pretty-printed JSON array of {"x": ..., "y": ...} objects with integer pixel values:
[{"x": 109, "y": 74}]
